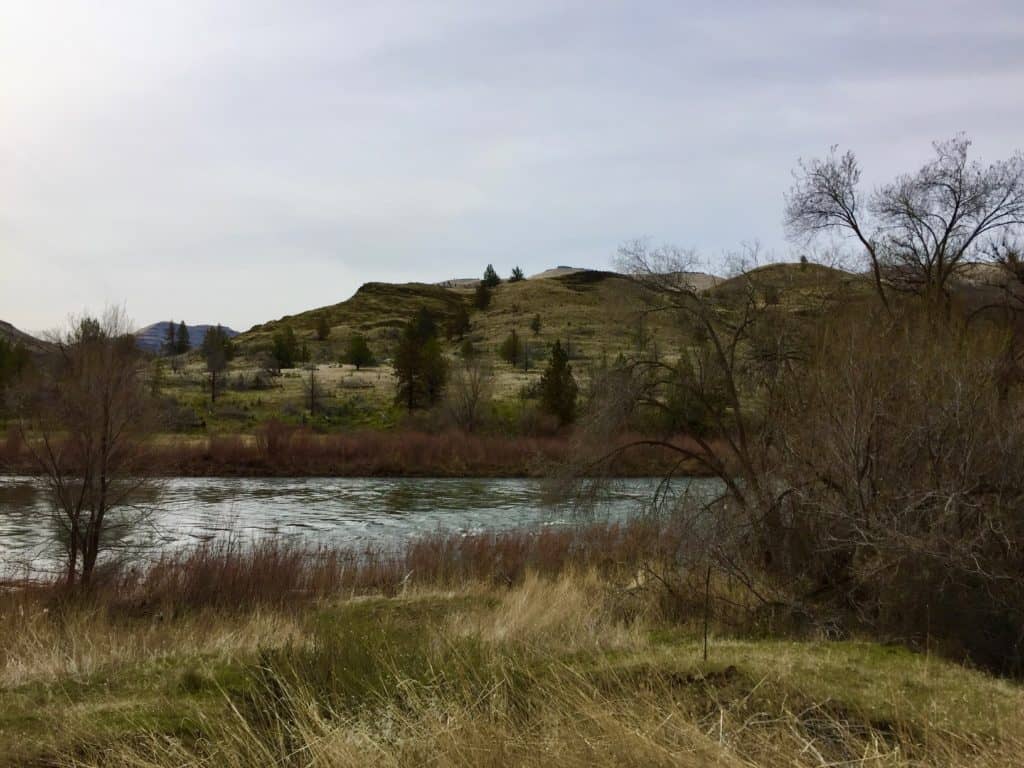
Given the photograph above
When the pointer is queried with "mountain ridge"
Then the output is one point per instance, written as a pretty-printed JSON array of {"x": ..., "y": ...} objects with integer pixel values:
[{"x": 151, "y": 338}]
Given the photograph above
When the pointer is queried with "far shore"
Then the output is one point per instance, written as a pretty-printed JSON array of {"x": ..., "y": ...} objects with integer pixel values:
[{"x": 298, "y": 453}]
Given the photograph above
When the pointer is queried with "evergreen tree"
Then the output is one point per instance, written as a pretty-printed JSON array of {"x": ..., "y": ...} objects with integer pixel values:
[
  {"x": 323, "y": 328},
  {"x": 419, "y": 364},
  {"x": 491, "y": 279},
  {"x": 517, "y": 275},
  {"x": 435, "y": 370},
  {"x": 558, "y": 388},
  {"x": 358, "y": 352},
  {"x": 535, "y": 325},
  {"x": 182, "y": 343},
  {"x": 170, "y": 346},
  {"x": 511, "y": 349},
  {"x": 285, "y": 348},
  {"x": 217, "y": 351}
]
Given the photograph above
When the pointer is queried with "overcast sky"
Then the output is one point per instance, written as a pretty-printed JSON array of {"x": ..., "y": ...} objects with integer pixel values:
[{"x": 234, "y": 162}]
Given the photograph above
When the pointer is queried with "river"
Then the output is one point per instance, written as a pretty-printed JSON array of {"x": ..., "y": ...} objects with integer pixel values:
[{"x": 351, "y": 512}]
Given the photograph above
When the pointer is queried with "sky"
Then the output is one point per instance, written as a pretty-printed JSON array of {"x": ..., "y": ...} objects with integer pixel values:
[{"x": 233, "y": 162}]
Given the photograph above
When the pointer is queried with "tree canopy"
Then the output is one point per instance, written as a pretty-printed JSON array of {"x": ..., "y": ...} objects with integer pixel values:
[
  {"x": 420, "y": 366},
  {"x": 491, "y": 279},
  {"x": 558, "y": 389}
]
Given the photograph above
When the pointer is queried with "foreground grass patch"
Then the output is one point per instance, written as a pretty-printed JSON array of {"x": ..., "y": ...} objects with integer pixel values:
[{"x": 543, "y": 673}]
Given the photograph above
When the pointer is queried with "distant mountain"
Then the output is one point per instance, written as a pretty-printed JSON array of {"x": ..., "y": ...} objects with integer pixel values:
[
  {"x": 14, "y": 336},
  {"x": 152, "y": 337}
]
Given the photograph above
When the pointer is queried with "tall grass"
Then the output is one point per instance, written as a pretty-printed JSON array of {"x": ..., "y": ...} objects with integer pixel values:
[
  {"x": 558, "y": 646},
  {"x": 549, "y": 674},
  {"x": 229, "y": 574}
]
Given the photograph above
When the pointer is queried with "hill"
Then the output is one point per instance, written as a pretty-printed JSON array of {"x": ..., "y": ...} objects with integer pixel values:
[
  {"x": 593, "y": 312},
  {"x": 15, "y": 336},
  {"x": 152, "y": 337},
  {"x": 596, "y": 315}
]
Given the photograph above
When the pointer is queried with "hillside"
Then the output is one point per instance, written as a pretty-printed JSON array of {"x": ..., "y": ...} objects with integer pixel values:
[
  {"x": 152, "y": 337},
  {"x": 15, "y": 336},
  {"x": 595, "y": 314}
]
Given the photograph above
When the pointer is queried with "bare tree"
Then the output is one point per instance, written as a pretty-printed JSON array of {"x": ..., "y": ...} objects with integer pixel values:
[
  {"x": 470, "y": 388},
  {"x": 708, "y": 389},
  {"x": 922, "y": 229},
  {"x": 84, "y": 419},
  {"x": 871, "y": 468},
  {"x": 315, "y": 393}
]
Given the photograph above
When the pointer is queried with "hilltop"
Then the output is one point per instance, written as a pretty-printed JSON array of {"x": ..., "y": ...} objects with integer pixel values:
[
  {"x": 593, "y": 311},
  {"x": 153, "y": 337}
]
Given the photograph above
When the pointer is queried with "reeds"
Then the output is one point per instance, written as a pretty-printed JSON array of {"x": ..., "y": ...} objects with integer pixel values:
[{"x": 229, "y": 574}]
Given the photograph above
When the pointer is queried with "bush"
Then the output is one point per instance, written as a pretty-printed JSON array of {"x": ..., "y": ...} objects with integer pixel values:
[
  {"x": 482, "y": 297},
  {"x": 358, "y": 352},
  {"x": 511, "y": 349}
]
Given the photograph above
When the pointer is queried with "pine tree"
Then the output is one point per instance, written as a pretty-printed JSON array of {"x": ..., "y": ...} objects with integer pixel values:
[
  {"x": 558, "y": 386},
  {"x": 285, "y": 348},
  {"x": 218, "y": 351},
  {"x": 420, "y": 367},
  {"x": 182, "y": 343},
  {"x": 511, "y": 349},
  {"x": 170, "y": 346},
  {"x": 491, "y": 279},
  {"x": 358, "y": 352},
  {"x": 517, "y": 275}
]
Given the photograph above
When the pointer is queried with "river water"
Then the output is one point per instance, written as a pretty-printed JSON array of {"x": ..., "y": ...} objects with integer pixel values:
[{"x": 350, "y": 512}]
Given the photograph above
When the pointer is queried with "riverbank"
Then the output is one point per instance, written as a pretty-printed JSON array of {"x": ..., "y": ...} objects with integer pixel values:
[
  {"x": 525, "y": 649},
  {"x": 281, "y": 451}
]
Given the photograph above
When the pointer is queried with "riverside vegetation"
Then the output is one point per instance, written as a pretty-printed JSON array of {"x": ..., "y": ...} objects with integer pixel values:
[
  {"x": 517, "y": 649},
  {"x": 852, "y": 597}
]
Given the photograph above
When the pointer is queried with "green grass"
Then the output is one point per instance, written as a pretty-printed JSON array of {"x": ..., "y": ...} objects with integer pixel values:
[{"x": 506, "y": 660}]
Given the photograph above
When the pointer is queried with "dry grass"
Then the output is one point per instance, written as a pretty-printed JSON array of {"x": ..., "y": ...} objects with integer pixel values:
[
  {"x": 45, "y": 645},
  {"x": 513, "y": 649},
  {"x": 503, "y": 681}
]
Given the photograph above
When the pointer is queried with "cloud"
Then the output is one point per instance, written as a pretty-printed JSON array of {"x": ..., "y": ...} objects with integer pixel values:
[{"x": 236, "y": 162}]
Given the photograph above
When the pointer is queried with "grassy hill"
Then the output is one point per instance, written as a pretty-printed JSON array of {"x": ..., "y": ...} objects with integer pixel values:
[
  {"x": 595, "y": 314},
  {"x": 586, "y": 308}
]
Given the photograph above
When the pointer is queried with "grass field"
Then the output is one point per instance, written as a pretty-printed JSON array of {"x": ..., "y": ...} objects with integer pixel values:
[{"x": 569, "y": 664}]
